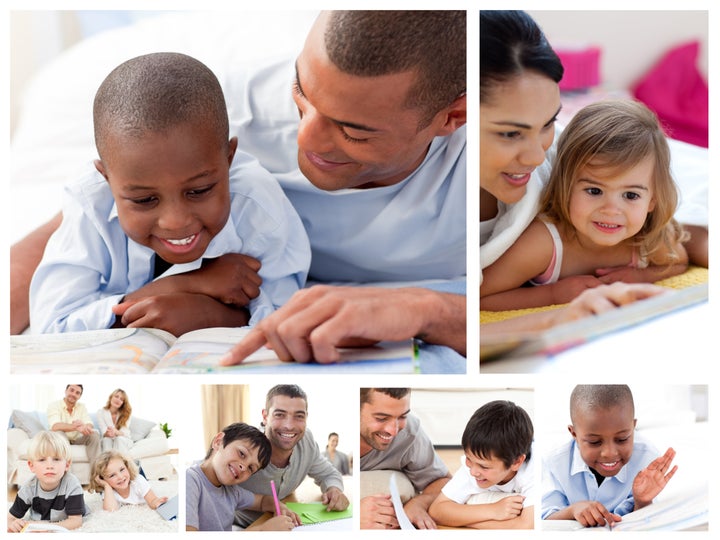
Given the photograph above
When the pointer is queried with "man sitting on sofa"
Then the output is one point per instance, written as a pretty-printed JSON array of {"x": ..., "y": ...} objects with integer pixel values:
[{"x": 71, "y": 418}]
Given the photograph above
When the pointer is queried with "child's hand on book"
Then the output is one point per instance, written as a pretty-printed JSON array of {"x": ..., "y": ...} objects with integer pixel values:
[
  {"x": 278, "y": 523},
  {"x": 179, "y": 313},
  {"x": 592, "y": 514}
]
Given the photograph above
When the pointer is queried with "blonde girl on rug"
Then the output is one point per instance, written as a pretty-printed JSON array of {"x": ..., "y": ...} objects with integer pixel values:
[
  {"x": 606, "y": 214},
  {"x": 116, "y": 477}
]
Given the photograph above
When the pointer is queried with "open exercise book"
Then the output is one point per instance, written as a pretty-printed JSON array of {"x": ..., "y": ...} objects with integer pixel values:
[
  {"x": 141, "y": 350},
  {"x": 565, "y": 336},
  {"x": 314, "y": 517}
]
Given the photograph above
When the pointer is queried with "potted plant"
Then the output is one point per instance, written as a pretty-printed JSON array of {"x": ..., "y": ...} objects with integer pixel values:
[{"x": 166, "y": 429}]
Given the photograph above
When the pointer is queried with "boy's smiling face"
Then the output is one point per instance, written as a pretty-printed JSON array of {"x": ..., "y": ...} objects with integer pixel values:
[
  {"x": 49, "y": 470},
  {"x": 171, "y": 188},
  {"x": 233, "y": 463},
  {"x": 489, "y": 472},
  {"x": 604, "y": 437}
]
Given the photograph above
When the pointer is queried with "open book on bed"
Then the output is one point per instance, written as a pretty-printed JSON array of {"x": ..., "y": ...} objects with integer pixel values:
[
  {"x": 562, "y": 337},
  {"x": 141, "y": 350}
]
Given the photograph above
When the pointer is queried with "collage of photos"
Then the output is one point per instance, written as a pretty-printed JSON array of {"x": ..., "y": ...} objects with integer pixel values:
[{"x": 229, "y": 227}]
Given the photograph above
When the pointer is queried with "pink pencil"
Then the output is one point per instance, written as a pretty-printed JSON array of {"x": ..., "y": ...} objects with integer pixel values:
[{"x": 275, "y": 497}]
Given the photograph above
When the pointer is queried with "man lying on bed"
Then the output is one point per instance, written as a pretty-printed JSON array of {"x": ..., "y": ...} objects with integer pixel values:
[{"x": 382, "y": 142}]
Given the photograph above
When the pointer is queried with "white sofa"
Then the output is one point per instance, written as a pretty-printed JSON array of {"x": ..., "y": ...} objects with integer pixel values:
[{"x": 149, "y": 449}]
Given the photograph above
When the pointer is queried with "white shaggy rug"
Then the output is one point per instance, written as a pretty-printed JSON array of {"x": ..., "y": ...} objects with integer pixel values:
[{"x": 129, "y": 517}]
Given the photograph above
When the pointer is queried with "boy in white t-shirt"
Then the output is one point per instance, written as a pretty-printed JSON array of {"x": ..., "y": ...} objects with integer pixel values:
[{"x": 494, "y": 488}]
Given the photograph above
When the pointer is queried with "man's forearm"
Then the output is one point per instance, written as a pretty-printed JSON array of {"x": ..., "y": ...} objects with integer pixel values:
[{"x": 445, "y": 320}]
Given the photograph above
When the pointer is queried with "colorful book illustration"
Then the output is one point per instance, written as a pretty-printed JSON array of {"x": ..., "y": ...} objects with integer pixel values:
[{"x": 143, "y": 350}]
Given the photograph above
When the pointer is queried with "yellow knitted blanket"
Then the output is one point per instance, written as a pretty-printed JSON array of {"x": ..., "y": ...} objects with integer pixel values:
[{"x": 692, "y": 276}]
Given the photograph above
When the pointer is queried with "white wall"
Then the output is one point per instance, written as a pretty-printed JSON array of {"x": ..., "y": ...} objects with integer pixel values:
[
  {"x": 149, "y": 400},
  {"x": 632, "y": 41}
]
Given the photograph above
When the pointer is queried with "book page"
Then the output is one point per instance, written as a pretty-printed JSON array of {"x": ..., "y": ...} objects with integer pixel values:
[
  {"x": 110, "y": 351},
  {"x": 200, "y": 351}
]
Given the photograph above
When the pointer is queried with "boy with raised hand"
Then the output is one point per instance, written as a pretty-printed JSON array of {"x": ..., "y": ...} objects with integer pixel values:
[
  {"x": 604, "y": 472},
  {"x": 495, "y": 487},
  {"x": 53, "y": 494}
]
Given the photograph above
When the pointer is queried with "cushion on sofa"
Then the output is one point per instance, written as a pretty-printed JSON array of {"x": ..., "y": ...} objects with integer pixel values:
[
  {"x": 140, "y": 428},
  {"x": 29, "y": 422}
]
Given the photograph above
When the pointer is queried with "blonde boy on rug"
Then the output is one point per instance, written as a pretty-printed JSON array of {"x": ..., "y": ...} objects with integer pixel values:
[{"x": 53, "y": 494}]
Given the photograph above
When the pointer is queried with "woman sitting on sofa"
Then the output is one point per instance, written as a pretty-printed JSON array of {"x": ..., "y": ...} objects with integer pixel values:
[{"x": 114, "y": 422}]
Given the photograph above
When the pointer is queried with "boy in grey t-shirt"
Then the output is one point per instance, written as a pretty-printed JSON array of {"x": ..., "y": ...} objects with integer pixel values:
[
  {"x": 53, "y": 494},
  {"x": 212, "y": 491}
]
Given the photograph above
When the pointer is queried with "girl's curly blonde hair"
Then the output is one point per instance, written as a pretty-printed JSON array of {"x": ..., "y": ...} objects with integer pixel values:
[{"x": 617, "y": 135}]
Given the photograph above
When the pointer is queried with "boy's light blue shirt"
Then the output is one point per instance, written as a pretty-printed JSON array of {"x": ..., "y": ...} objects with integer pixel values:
[
  {"x": 90, "y": 264},
  {"x": 567, "y": 479}
]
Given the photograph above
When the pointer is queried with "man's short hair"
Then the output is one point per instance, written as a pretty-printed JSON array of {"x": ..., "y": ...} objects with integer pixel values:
[
  {"x": 395, "y": 393},
  {"x": 252, "y": 435},
  {"x": 600, "y": 396},
  {"x": 499, "y": 429},
  {"x": 49, "y": 444},
  {"x": 80, "y": 386},
  {"x": 433, "y": 43},
  {"x": 155, "y": 92},
  {"x": 287, "y": 390}
]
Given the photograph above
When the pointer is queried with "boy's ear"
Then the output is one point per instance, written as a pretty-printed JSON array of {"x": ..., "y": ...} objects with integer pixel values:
[
  {"x": 217, "y": 442},
  {"x": 571, "y": 429},
  {"x": 232, "y": 147},
  {"x": 100, "y": 167},
  {"x": 31, "y": 465},
  {"x": 518, "y": 461},
  {"x": 68, "y": 463},
  {"x": 455, "y": 116}
]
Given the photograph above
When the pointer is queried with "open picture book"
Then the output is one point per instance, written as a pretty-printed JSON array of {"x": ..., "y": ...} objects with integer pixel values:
[
  {"x": 145, "y": 350},
  {"x": 562, "y": 337}
]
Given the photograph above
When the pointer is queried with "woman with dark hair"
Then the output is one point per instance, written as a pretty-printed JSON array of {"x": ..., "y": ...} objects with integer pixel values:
[
  {"x": 339, "y": 460},
  {"x": 519, "y": 105}
]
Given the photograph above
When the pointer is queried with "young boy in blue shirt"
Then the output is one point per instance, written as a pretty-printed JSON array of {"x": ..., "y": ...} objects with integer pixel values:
[
  {"x": 604, "y": 472},
  {"x": 212, "y": 493},
  {"x": 170, "y": 196},
  {"x": 495, "y": 487},
  {"x": 53, "y": 494}
]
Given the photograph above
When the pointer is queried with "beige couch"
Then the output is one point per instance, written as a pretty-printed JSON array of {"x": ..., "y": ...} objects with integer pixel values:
[{"x": 149, "y": 449}]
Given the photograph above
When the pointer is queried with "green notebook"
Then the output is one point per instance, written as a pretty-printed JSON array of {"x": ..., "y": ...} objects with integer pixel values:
[{"x": 315, "y": 512}]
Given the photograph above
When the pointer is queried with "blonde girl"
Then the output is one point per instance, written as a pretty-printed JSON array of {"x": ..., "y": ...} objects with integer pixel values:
[
  {"x": 606, "y": 214},
  {"x": 116, "y": 477},
  {"x": 114, "y": 422}
]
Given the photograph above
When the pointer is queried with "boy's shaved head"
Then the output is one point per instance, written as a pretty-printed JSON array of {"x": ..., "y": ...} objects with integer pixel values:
[
  {"x": 157, "y": 91},
  {"x": 586, "y": 397}
]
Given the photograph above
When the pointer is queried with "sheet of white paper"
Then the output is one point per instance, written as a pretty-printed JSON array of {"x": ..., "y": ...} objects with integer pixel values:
[{"x": 402, "y": 518}]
